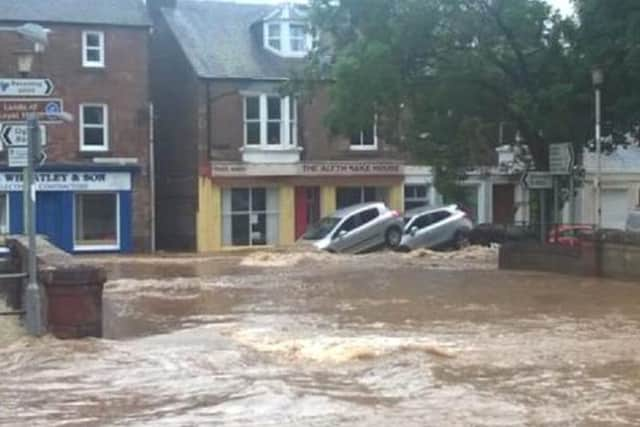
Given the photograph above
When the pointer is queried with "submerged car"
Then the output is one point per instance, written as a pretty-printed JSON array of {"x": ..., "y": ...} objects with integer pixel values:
[
  {"x": 633, "y": 221},
  {"x": 436, "y": 228},
  {"x": 357, "y": 229},
  {"x": 570, "y": 234}
]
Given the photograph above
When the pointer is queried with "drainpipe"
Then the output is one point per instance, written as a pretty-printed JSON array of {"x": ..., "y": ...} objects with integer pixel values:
[
  {"x": 152, "y": 177},
  {"x": 208, "y": 107}
]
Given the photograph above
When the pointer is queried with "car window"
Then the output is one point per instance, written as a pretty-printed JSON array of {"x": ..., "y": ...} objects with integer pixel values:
[
  {"x": 351, "y": 223},
  {"x": 369, "y": 215},
  {"x": 429, "y": 219}
]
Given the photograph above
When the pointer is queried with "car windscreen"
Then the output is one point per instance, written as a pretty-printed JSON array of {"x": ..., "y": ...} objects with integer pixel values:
[{"x": 321, "y": 229}]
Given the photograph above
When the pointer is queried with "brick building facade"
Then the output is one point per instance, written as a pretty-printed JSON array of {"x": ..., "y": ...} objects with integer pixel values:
[
  {"x": 94, "y": 191},
  {"x": 240, "y": 164}
]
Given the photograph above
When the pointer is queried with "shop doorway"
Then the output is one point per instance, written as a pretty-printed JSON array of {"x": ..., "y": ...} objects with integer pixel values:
[
  {"x": 307, "y": 208},
  {"x": 503, "y": 203},
  {"x": 50, "y": 220}
]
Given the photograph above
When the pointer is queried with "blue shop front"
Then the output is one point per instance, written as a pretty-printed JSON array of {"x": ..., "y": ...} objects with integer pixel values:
[{"x": 80, "y": 210}]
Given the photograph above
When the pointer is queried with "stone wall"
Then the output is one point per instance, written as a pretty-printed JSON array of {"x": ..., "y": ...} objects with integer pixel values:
[{"x": 72, "y": 290}]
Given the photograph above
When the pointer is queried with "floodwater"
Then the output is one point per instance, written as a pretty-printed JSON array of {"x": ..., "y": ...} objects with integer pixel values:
[{"x": 320, "y": 340}]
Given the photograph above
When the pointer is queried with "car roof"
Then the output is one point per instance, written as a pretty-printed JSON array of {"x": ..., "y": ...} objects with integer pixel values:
[
  {"x": 355, "y": 208},
  {"x": 425, "y": 209}
]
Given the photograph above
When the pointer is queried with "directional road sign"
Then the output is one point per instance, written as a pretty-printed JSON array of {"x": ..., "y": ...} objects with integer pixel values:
[
  {"x": 14, "y": 110},
  {"x": 18, "y": 157},
  {"x": 538, "y": 180},
  {"x": 14, "y": 135},
  {"x": 26, "y": 87},
  {"x": 560, "y": 158}
]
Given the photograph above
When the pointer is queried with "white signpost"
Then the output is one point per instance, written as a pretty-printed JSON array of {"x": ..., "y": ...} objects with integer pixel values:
[
  {"x": 16, "y": 135},
  {"x": 18, "y": 157},
  {"x": 26, "y": 87},
  {"x": 539, "y": 181},
  {"x": 560, "y": 158}
]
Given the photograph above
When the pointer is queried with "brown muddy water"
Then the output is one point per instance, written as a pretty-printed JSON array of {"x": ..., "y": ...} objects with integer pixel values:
[{"x": 317, "y": 340}]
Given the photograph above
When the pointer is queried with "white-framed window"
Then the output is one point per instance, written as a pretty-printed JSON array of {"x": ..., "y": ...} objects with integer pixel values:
[
  {"x": 365, "y": 140},
  {"x": 298, "y": 38},
  {"x": 93, "y": 49},
  {"x": 96, "y": 222},
  {"x": 274, "y": 36},
  {"x": 94, "y": 127},
  {"x": 287, "y": 38},
  {"x": 416, "y": 196},
  {"x": 270, "y": 121},
  {"x": 250, "y": 216},
  {"x": 4, "y": 213}
]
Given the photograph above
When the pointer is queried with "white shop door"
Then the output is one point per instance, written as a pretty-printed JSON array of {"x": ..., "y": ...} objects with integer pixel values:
[{"x": 615, "y": 208}]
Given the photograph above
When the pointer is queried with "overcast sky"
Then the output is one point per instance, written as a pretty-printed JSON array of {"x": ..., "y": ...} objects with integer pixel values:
[{"x": 563, "y": 5}]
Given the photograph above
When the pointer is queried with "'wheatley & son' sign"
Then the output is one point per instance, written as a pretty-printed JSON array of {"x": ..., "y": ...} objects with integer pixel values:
[{"x": 69, "y": 181}]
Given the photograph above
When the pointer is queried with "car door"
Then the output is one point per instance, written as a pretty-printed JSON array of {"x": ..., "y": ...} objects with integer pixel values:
[
  {"x": 431, "y": 230},
  {"x": 370, "y": 232},
  {"x": 343, "y": 237}
]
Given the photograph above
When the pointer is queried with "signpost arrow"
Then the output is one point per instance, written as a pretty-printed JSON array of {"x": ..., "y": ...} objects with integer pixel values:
[
  {"x": 16, "y": 135},
  {"x": 26, "y": 87},
  {"x": 539, "y": 181}
]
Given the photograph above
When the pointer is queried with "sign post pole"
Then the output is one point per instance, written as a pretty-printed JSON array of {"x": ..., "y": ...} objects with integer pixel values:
[{"x": 33, "y": 296}]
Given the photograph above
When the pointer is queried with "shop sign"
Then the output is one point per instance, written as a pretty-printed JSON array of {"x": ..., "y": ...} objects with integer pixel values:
[
  {"x": 17, "y": 110},
  {"x": 69, "y": 181},
  {"x": 357, "y": 168}
]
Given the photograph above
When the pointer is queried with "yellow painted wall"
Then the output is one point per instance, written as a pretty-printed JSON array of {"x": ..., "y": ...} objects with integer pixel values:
[
  {"x": 287, "y": 215},
  {"x": 327, "y": 201},
  {"x": 396, "y": 198},
  {"x": 209, "y": 218}
]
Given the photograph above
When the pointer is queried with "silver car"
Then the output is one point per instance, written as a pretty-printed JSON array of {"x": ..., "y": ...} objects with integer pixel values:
[
  {"x": 435, "y": 228},
  {"x": 633, "y": 221},
  {"x": 357, "y": 229}
]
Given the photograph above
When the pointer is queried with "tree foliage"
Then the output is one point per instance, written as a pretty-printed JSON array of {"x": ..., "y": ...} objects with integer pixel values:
[{"x": 447, "y": 74}]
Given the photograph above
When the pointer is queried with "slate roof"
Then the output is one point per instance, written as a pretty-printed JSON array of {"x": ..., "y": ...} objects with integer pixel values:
[
  {"x": 101, "y": 12},
  {"x": 218, "y": 40}
]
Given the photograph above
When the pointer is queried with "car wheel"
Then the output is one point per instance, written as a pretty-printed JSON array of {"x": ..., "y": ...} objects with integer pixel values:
[
  {"x": 393, "y": 237},
  {"x": 461, "y": 240}
]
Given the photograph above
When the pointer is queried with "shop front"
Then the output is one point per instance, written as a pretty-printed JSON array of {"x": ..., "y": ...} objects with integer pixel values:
[
  {"x": 79, "y": 210},
  {"x": 247, "y": 205}
]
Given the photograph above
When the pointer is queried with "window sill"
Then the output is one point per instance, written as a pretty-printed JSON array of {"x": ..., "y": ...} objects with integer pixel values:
[
  {"x": 93, "y": 66},
  {"x": 96, "y": 248},
  {"x": 93, "y": 152},
  {"x": 363, "y": 148},
  {"x": 271, "y": 154}
]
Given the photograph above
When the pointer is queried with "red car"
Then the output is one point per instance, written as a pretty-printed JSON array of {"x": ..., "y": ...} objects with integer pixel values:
[{"x": 569, "y": 235}]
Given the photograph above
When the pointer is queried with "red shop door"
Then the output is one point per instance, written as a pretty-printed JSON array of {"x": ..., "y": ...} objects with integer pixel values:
[{"x": 307, "y": 208}]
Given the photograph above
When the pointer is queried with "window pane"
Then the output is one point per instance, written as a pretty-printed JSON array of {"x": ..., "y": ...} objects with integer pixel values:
[
  {"x": 273, "y": 133},
  {"x": 348, "y": 196},
  {"x": 356, "y": 139},
  {"x": 94, "y": 136},
  {"x": 253, "y": 108},
  {"x": 240, "y": 230},
  {"x": 258, "y": 229},
  {"x": 253, "y": 133},
  {"x": 421, "y": 191},
  {"x": 96, "y": 219},
  {"x": 409, "y": 191},
  {"x": 297, "y": 31},
  {"x": 93, "y": 40},
  {"x": 259, "y": 199},
  {"x": 274, "y": 107},
  {"x": 93, "y": 55},
  {"x": 368, "y": 137},
  {"x": 370, "y": 194},
  {"x": 275, "y": 44},
  {"x": 240, "y": 200},
  {"x": 274, "y": 30},
  {"x": 93, "y": 115},
  {"x": 297, "y": 45}
]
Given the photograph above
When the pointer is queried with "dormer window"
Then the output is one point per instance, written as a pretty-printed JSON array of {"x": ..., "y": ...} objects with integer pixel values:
[
  {"x": 274, "y": 36},
  {"x": 287, "y": 38}
]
